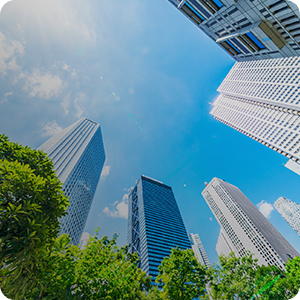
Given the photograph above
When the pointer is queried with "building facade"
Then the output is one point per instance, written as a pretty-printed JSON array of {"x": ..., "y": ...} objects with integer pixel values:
[
  {"x": 290, "y": 211},
  {"x": 198, "y": 249},
  {"x": 155, "y": 225},
  {"x": 244, "y": 227},
  {"x": 223, "y": 245},
  {"x": 247, "y": 29},
  {"x": 261, "y": 99},
  {"x": 78, "y": 156}
]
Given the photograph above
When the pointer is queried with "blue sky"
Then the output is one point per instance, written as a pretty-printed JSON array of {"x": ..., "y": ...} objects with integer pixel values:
[{"x": 147, "y": 75}]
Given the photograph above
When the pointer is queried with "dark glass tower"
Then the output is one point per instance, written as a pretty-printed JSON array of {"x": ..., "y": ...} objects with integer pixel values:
[
  {"x": 155, "y": 225},
  {"x": 78, "y": 156}
]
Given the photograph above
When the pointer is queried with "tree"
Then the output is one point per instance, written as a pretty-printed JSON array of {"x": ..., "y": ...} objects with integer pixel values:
[
  {"x": 56, "y": 279},
  {"x": 288, "y": 284},
  {"x": 99, "y": 271},
  {"x": 265, "y": 277},
  {"x": 105, "y": 271},
  {"x": 233, "y": 276},
  {"x": 31, "y": 203},
  {"x": 182, "y": 276}
]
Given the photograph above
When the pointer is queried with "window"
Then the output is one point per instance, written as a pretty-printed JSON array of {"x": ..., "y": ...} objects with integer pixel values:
[
  {"x": 229, "y": 47},
  {"x": 254, "y": 41},
  {"x": 218, "y": 3},
  {"x": 192, "y": 13},
  {"x": 212, "y": 5},
  {"x": 234, "y": 47}
]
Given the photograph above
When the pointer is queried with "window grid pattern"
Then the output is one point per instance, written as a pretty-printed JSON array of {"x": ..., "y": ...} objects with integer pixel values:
[
  {"x": 273, "y": 80},
  {"x": 78, "y": 157},
  {"x": 250, "y": 30},
  {"x": 244, "y": 227},
  {"x": 161, "y": 227},
  {"x": 198, "y": 249},
  {"x": 250, "y": 230},
  {"x": 290, "y": 211},
  {"x": 277, "y": 128}
]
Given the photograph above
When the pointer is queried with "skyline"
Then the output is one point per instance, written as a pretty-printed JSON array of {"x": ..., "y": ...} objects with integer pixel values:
[{"x": 149, "y": 92}]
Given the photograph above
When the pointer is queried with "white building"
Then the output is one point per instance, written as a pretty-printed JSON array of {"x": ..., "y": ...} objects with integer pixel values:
[
  {"x": 244, "y": 227},
  {"x": 247, "y": 30},
  {"x": 223, "y": 245},
  {"x": 290, "y": 211},
  {"x": 198, "y": 249},
  {"x": 261, "y": 99}
]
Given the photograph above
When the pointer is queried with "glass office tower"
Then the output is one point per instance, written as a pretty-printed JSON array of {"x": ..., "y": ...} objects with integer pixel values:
[
  {"x": 290, "y": 211},
  {"x": 247, "y": 30},
  {"x": 78, "y": 156},
  {"x": 155, "y": 225},
  {"x": 244, "y": 227}
]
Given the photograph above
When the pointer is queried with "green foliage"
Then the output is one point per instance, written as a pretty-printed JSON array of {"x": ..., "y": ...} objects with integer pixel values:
[
  {"x": 293, "y": 275},
  {"x": 31, "y": 201},
  {"x": 234, "y": 276},
  {"x": 100, "y": 271},
  {"x": 242, "y": 277},
  {"x": 182, "y": 276},
  {"x": 55, "y": 280},
  {"x": 105, "y": 271}
]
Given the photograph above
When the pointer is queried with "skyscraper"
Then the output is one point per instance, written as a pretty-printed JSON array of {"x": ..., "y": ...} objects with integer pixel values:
[
  {"x": 247, "y": 30},
  {"x": 198, "y": 249},
  {"x": 223, "y": 246},
  {"x": 261, "y": 99},
  {"x": 244, "y": 227},
  {"x": 290, "y": 211},
  {"x": 78, "y": 156},
  {"x": 155, "y": 225}
]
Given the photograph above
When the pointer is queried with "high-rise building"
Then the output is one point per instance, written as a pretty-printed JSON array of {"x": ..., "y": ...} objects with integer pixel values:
[
  {"x": 78, "y": 156},
  {"x": 290, "y": 211},
  {"x": 198, "y": 249},
  {"x": 261, "y": 99},
  {"x": 247, "y": 30},
  {"x": 155, "y": 225},
  {"x": 244, "y": 227},
  {"x": 223, "y": 246}
]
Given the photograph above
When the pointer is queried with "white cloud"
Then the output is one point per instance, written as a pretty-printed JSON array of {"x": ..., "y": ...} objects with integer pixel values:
[
  {"x": 265, "y": 208},
  {"x": 20, "y": 29},
  {"x": 105, "y": 172},
  {"x": 79, "y": 103},
  {"x": 50, "y": 129},
  {"x": 44, "y": 86},
  {"x": 70, "y": 21},
  {"x": 73, "y": 73},
  {"x": 4, "y": 99},
  {"x": 119, "y": 209},
  {"x": 9, "y": 50},
  {"x": 65, "y": 67},
  {"x": 65, "y": 104}
]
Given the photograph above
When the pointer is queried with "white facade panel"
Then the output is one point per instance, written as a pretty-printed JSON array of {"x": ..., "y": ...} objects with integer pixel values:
[
  {"x": 224, "y": 246},
  {"x": 245, "y": 227},
  {"x": 261, "y": 99}
]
